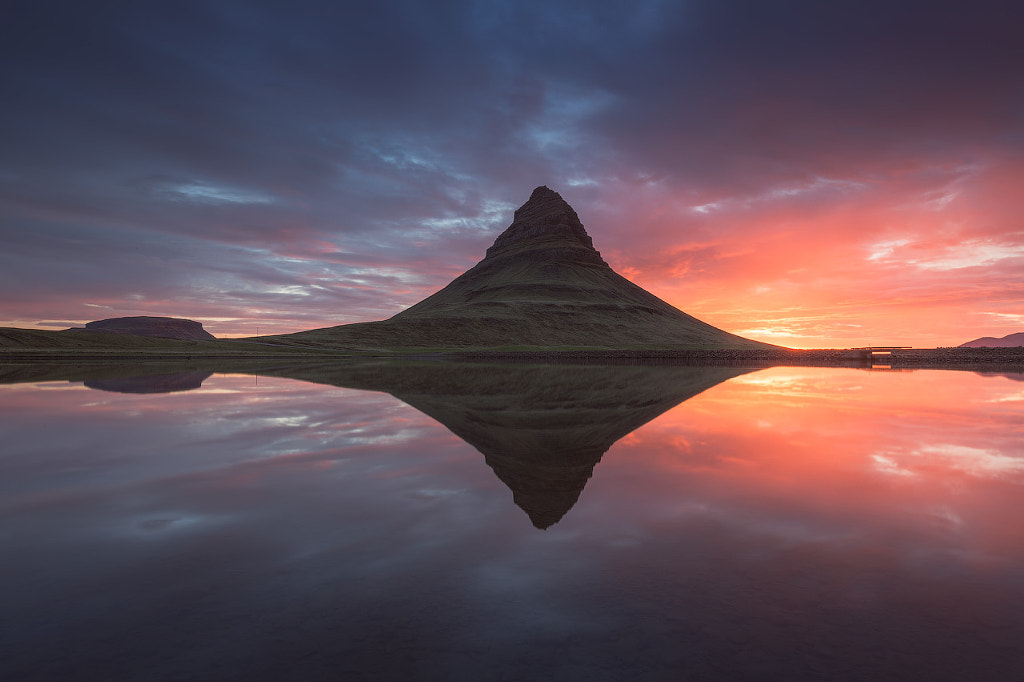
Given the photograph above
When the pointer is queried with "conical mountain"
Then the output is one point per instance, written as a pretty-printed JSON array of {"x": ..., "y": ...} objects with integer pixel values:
[
  {"x": 542, "y": 429},
  {"x": 542, "y": 284}
]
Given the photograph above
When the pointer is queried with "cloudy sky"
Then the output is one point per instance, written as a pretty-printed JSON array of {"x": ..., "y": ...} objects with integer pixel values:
[{"x": 805, "y": 173}]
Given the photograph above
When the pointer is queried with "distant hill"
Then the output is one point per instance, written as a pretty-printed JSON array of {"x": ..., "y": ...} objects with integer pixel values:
[
  {"x": 161, "y": 327},
  {"x": 541, "y": 285},
  {"x": 1008, "y": 341}
]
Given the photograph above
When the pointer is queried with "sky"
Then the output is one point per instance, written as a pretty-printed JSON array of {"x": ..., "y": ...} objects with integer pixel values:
[{"x": 805, "y": 173}]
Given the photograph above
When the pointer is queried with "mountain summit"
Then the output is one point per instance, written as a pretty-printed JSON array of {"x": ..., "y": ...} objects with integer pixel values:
[
  {"x": 543, "y": 222},
  {"x": 541, "y": 284}
]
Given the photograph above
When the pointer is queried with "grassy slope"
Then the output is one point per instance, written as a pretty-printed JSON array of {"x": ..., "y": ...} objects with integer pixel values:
[
  {"x": 558, "y": 297},
  {"x": 11, "y": 337},
  {"x": 28, "y": 342}
]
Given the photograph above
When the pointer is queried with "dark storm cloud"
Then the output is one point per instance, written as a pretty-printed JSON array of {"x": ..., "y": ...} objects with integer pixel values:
[
  {"x": 290, "y": 103},
  {"x": 755, "y": 90},
  {"x": 404, "y": 133}
]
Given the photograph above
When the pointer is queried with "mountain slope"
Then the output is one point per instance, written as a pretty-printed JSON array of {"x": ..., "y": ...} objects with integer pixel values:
[
  {"x": 1008, "y": 341},
  {"x": 541, "y": 284}
]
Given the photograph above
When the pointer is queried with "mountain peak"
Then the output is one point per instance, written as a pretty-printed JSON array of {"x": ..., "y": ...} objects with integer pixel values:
[
  {"x": 542, "y": 284},
  {"x": 544, "y": 220},
  {"x": 544, "y": 202}
]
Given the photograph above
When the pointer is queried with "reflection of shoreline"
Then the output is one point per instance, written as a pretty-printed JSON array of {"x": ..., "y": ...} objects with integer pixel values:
[
  {"x": 1007, "y": 362},
  {"x": 1010, "y": 360},
  {"x": 1003, "y": 359},
  {"x": 152, "y": 383},
  {"x": 541, "y": 428}
]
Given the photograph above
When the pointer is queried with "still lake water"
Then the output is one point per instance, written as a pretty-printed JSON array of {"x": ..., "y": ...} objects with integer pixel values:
[{"x": 784, "y": 523}]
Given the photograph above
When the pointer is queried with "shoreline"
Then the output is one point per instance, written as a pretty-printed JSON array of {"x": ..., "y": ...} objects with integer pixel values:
[
  {"x": 914, "y": 358},
  {"x": 984, "y": 359}
]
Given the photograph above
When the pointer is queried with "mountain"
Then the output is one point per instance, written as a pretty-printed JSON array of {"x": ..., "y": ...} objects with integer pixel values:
[
  {"x": 544, "y": 431},
  {"x": 541, "y": 284},
  {"x": 162, "y": 327},
  {"x": 1008, "y": 341},
  {"x": 541, "y": 428}
]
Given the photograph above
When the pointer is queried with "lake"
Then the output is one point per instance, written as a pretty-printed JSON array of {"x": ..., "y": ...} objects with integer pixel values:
[{"x": 446, "y": 521}]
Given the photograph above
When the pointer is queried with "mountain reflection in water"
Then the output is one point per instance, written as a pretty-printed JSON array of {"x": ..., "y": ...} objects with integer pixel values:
[
  {"x": 541, "y": 428},
  {"x": 787, "y": 523},
  {"x": 158, "y": 383}
]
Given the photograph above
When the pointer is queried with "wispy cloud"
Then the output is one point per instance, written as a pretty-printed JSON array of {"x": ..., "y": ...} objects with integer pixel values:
[{"x": 206, "y": 193}]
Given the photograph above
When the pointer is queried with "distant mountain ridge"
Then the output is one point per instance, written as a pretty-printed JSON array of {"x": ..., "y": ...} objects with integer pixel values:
[
  {"x": 542, "y": 284},
  {"x": 1008, "y": 341}
]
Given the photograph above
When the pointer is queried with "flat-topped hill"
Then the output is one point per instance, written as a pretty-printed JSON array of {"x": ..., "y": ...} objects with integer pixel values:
[
  {"x": 541, "y": 284},
  {"x": 161, "y": 327}
]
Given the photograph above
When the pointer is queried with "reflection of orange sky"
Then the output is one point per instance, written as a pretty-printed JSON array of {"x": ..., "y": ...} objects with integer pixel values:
[{"x": 932, "y": 456}]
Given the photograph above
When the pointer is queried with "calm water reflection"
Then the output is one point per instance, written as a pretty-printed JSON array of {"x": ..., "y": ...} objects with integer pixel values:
[{"x": 513, "y": 523}]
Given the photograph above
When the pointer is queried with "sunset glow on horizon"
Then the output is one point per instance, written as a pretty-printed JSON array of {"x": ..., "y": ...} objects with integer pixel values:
[{"x": 809, "y": 175}]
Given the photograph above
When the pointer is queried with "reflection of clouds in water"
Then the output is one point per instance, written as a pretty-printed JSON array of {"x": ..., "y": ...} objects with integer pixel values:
[
  {"x": 1009, "y": 398},
  {"x": 339, "y": 522},
  {"x": 801, "y": 383},
  {"x": 889, "y": 465},
  {"x": 114, "y": 439},
  {"x": 286, "y": 421},
  {"x": 46, "y": 386},
  {"x": 152, "y": 525},
  {"x": 769, "y": 380},
  {"x": 980, "y": 462},
  {"x": 869, "y": 462},
  {"x": 976, "y": 461},
  {"x": 946, "y": 514}
]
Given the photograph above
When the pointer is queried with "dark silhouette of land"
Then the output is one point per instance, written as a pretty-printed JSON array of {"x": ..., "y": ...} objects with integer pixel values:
[
  {"x": 155, "y": 383},
  {"x": 541, "y": 285},
  {"x": 160, "y": 327},
  {"x": 1008, "y": 341},
  {"x": 541, "y": 293}
]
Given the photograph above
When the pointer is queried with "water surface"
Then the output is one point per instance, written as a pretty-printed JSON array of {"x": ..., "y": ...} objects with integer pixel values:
[{"x": 454, "y": 522}]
